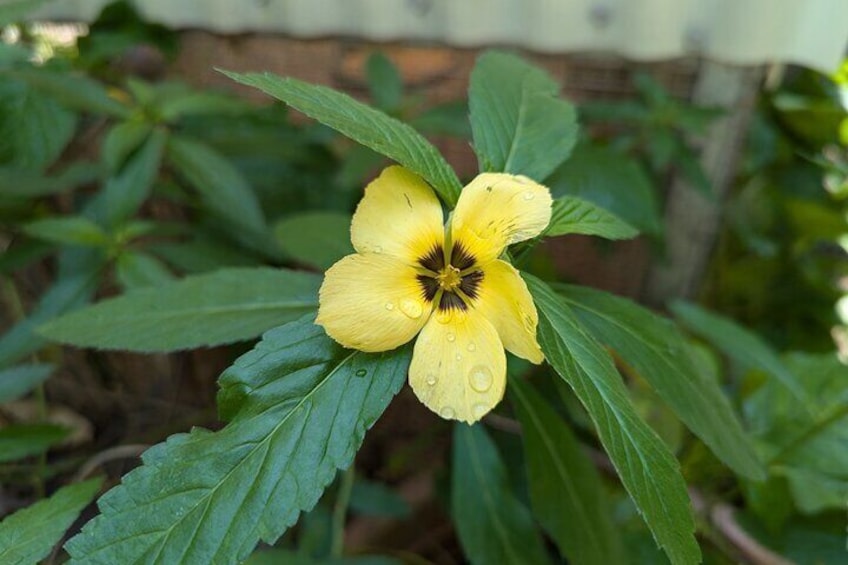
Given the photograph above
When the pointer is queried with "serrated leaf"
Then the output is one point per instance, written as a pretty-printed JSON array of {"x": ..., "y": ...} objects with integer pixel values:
[
  {"x": 519, "y": 123},
  {"x": 22, "y": 440},
  {"x": 300, "y": 406},
  {"x": 655, "y": 348},
  {"x": 612, "y": 181},
  {"x": 315, "y": 238},
  {"x": 743, "y": 346},
  {"x": 363, "y": 124},
  {"x": 71, "y": 230},
  {"x": 492, "y": 524},
  {"x": 28, "y": 536},
  {"x": 578, "y": 216},
  {"x": 223, "y": 189},
  {"x": 73, "y": 91},
  {"x": 18, "y": 381},
  {"x": 204, "y": 310},
  {"x": 566, "y": 493},
  {"x": 647, "y": 469}
]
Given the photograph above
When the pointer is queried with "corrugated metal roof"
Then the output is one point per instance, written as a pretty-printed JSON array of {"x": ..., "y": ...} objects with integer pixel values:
[{"x": 809, "y": 32}]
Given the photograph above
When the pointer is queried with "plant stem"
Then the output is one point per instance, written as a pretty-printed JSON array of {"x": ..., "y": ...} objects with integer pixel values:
[{"x": 340, "y": 511}]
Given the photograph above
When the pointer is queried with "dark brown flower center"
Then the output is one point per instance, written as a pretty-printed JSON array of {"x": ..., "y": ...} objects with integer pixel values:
[{"x": 453, "y": 283}]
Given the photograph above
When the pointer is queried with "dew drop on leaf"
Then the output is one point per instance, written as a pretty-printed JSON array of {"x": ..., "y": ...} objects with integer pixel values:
[{"x": 361, "y": 373}]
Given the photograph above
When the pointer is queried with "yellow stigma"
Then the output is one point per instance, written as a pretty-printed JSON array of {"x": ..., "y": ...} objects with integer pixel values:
[{"x": 448, "y": 278}]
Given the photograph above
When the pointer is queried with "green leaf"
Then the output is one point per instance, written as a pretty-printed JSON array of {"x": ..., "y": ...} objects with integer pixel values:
[
  {"x": 300, "y": 406},
  {"x": 743, "y": 346},
  {"x": 223, "y": 189},
  {"x": 612, "y": 181},
  {"x": 185, "y": 103},
  {"x": 376, "y": 499},
  {"x": 384, "y": 82},
  {"x": 74, "y": 91},
  {"x": 18, "y": 381},
  {"x": 492, "y": 524},
  {"x": 125, "y": 192},
  {"x": 123, "y": 138},
  {"x": 654, "y": 347},
  {"x": 72, "y": 230},
  {"x": 814, "y": 492},
  {"x": 289, "y": 557},
  {"x": 204, "y": 310},
  {"x": 28, "y": 536},
  {"x": 363, "y": 124},
  {"x": 450, "y": 118},
  {"x": 647, "y": 469},
  {"x": 318, "y": 239},
  {"x": 22, "y": 440},
  {"x": 519, "y": 123},
  {"x": 575, "y": 215},
  {"x": 26, "y": 183},
  {"x": 79, "y": 273},
  {"x": 34, "y": 129},
  {"x": 135, "y": 270},
  {"x": 566, "y": 492}
]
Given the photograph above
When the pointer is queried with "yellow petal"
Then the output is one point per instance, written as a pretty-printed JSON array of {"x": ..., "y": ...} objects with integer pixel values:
[
  {"x": 399, "y": 216},
  {"x": 496, "y": 210},
  {"x": 503, "y": 298},
  {"x": 371, "y": 302},
  {"x": 458, "y": 367}
]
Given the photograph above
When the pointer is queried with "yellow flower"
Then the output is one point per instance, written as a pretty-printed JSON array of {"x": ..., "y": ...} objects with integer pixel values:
[{"x": 412, "y": 274}]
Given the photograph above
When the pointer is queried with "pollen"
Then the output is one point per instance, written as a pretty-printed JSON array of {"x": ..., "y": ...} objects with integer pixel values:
[{"x": 449, "y": 279}]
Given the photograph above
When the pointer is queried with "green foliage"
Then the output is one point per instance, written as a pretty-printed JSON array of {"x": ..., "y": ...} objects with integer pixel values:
[
  {"x": 611, "y": 181},
  {"x": 654, "y": 348},
  {"x": 17, "y": 381},
  {"x": 22, "y": 440},
  {"x": 492, "y": 524},
  {"x": 741, "y": 345},
  {"x": 298, "y": 407},
  {"x": 363, "y": 124},
  {"x": 520, "y": 124},
  {"x": 384, "y": 82},
  {"x": 28, "y": 535},
  {"x": 211, "y": 309},
  {"x": 565, "y": 489},
  {"x": 71, "y": 230},
  {"x": 648, "y": 471},
  {"x": 575, "y": 215},
  {"x": 317, "y": 239}
]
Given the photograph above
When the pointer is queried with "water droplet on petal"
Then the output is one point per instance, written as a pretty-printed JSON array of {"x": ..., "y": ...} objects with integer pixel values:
[
  {"x": 459, "y": 356},
  {"x": 451, "y": 338},
  {"x": 411, "y": 308},
  {"x": 480, "y": 410},
  {"x": 443, "y": 316},
  {"x": 432, "y": 379},
  {"x": 529, "y": 195},
  {"x": 378, "y": 249},
  {"x": 481, "y": 378},
  {"x": 447, "y": 412},
  {"x": 361, "y": 373},
  {"x": 471, "y": 347},
  {"x": 390, "y": 306}
]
